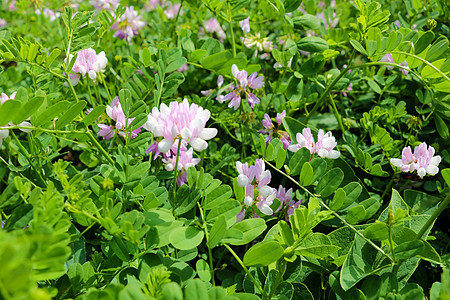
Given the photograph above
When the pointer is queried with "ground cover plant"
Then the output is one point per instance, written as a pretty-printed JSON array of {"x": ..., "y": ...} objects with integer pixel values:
[{"x": 224, "y": 149}]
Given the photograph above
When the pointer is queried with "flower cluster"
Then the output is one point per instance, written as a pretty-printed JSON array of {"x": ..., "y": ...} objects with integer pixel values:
[
  {"x": 110, "y": 5},
  {"x": 245, "y": 83},
  {"x": 87, "y": 62},
  {"x": 179, "y": 120},
  {"x": 48, "y": 13},
  {"x": 213, "y": 26},
  {"x": 389, "y": 59},
  {"x": 323, "y": 147},
  {"x": 128, "y": 24},
  {"x": 255, "y": 180},
  {"x": 285, "y": 198},
  {"x": 422, "y": 160},
  {"x": 4, "y": 133},
  {"x": 179, "y": 123},
  {"x": 249, "y": 40},
  {"x": 270, "y": 129},
  {"x": 171, "y": 10},
  {"x": 115, "y": 112}
]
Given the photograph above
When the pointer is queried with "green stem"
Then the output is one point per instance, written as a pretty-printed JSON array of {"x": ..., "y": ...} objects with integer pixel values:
[
  {"x": 205, "y": 229},
  {"x": 28, "y": 157},
  {"x": 243, "y": 153},
  {"x": 106, "y": 86},
  {"x": 175, "y": 169},
  {"x": 423, "y": 61},
  {"x": 332, "y": 211},
  {"x": 230, "y": 21},
  {"x": 433, "y": 217},
  {"x": 100, "y": 148},
  {"x": 258, "y": 286},
  {"x": 337, "y": 115}
]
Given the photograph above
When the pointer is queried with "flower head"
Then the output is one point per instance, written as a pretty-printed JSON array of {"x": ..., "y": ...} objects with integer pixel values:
[
  {"x": 185, "y": 161},
  {"x": 87, "y": 62},
  {"x": 128, "y": 24},
  {"x": 389, "y": 59},
  {"x": 110, "y": 5},
  {"x": 323, "y": 147},
  {"x": 422, "y": 160},
  {"x": 271, "y": 130},
  {"x": 245, "y": 83},
  {"x": 245, "y": 25},
  {"x": 171, "y": 10},
  {"x": 180, "y": 120},
  {"x": 213, "y": 26}
]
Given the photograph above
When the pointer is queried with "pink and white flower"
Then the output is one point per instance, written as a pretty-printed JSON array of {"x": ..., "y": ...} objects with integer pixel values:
[
  {"x": 49, "y": 14},
  {"x": 270, "y": 129},
  {"x": 422, "y": 160},
  {"x": 213, "y": 26},
  {"x": 389, "y": 59},
  {"x": 128, "y": 24},
  {"x": 185, "y": 161},
  {"x": 245, "y": 25},
  {"x": 171, "y": 10},
  {"x": 110, "y": 5},
  {"x": 87, "y": 62},
  {"x": 180, "y": 120},
  {"x": 244, "y": 85},
  {"x": 324, "y": 146}
]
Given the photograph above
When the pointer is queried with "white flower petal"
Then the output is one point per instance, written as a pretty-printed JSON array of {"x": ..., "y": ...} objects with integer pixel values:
[
  {"x": 242, "y": 180},
  {"x": 198, "y": 144},
  {"x": 165, "y": 145},
  {"x": 432, "y": 170},
  {"x": 208, "y": 133}
]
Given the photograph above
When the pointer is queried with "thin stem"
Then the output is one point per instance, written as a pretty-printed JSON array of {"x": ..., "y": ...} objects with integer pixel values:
[
  {"x": 424, "y": 61},
  {"x": 99, "y": 147},
  {"x": 332, "y": 211},
  {"x": 27, "y": 156},
  {"x": 106, "y": 86},
  {"x": 230, "y": 21},
  {"x": 205, "y": 229},
  {"x": 244, "y": 154},
  {"x": 433, "y": 217},
  {"x": 175, "y": 169},
  {"x": 337, "y": 115},
  {"x": 258, "y": 286}
]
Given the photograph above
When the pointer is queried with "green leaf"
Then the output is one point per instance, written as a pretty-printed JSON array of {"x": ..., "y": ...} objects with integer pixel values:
[
  {"x": 203, "y": 270},
  {"x": 306, "y": 21},
  {"x": 409, "y": 249},
  {"x": 172, "y": 291},
  {"x": 358, "y": 47},
  {"x": 93, "y": 115},
  {"x": 263, "y": 254},
  {"x": 374, "y": 86},
  {"x": 120, "y": 249},
  {"x": 329, "y": 182},
  {"x": 431, "y": 71},
  {"x": 446, "y": 174},
  {"x": 217, "y": 232},
  {"x": 294, "y": 90},
  {"x": 175, "y": 64},
  {"x": 306, "y": 175},
  {"x": 146, "y": 57},
  {"x": 317, "y": 245},
  {"x": 28, "y": 108},
  {"x": 338, "y": 199},
  {"x": 358, "y": 264},
  {"x": 9, "y": 110},
  {"x": 319, "y": 168},
  {"x": 185, "y": 238},
  {"x": 441, "y": 127},
  {"x": 197, "y": 55},
  {"x": 50, "y": 113},
  {"x": 377, "y": 231},
  {"x": 392, "y": 41},
  {"x": 286, "y": 233},
  {"x": 70, "y": 114},
  {"x": 53, "y": 55},
  {"x": 371, "y": 48},
  {"x": 281, "y": 157},
  {"x": 196, "y": 289},
  {"x": 312, "y": 44},
  {"x": 229, "y": 210},
  {"x": 429, "y": 253},
  {"x": 296, "y": 162},
  {"x": 355, "y": 214},
  {"x": 218, "y": 196},
  {"x": 250, "y": 228},
  {"x": 423, "y": 42}
]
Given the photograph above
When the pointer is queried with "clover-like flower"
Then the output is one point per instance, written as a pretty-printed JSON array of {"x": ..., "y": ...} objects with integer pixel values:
[
  {"x": 180, "y": 120},
  {"x": 213, "y": 26},
  {"x": 87, "y": 62},
  {"x": 324, "y": 146},
  {"x": 128, "y": 24},
  {"x": 256, "y": 178},
  {"x": 389, "y": 59},
  {"x": 185, "y": 161},
  {"x": 110, "y": 5},
  {"x": 115, "y": 112},
  {"x": 422, "y": 160},
  {"x": 270, "y": 130},
  {"x": 245, "y": 25},
  {"x": 244, "y": 85}
]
